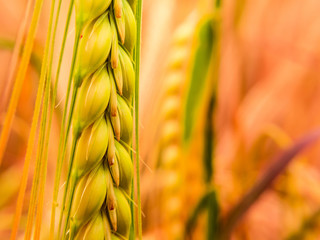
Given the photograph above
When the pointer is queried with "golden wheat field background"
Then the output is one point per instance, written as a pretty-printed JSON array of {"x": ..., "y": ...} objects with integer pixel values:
[{"x": 265, "y": 73}]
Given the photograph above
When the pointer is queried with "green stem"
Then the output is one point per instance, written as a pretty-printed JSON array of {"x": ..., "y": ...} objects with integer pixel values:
[
  {"x": 209, "y": 142},
  {"x": 43, "y": 160},
  {"x": 59, "y": 160},
  {"x": 39, "y": 216},
  {"x": 73, "y": 148},
  {"x": 76, "y": 137},
  {"x": 213, "y": 214},
  {"x": 61, "y": 151},
  {"x": 137, "y": 77},
  {"x": 63, "y": 132},
  {"x": 73, "y": 180},
  {"x": 132, "y": 207},
  {"x": 207, "y": 201},
  {"x": 72, "y": 231}
]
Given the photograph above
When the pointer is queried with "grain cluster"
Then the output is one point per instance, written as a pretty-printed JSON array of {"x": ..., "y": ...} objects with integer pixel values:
[
  {"x": 171, "y": 161},
  {"x": 102, "y": 170}
]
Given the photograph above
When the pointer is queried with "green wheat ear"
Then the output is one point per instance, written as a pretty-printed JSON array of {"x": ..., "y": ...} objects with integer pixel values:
[{"x": 100, "y": 173}]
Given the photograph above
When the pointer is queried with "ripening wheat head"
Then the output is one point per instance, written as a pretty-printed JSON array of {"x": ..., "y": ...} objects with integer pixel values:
[
  {"x": 102, "y": 170},
  {"x": 171, "y": 161}
]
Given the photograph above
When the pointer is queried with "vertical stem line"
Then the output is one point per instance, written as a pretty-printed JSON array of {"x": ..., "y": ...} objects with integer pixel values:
[
  {"x": 73, "y": 183},
  {"x": 47, "y": 137},
  {"x": 137, "y": 76},
  {"x": 65, "y": 132},
  {"x": 73, "y": 188},
  {"x": 35, "y": 182},
  {"x": 60, "y": 156},
  {"x": 59, "y": 161},
  {"x": 77, "y": 134},
  {"x": 12, "y": 106},
  {"x": 76, "y": 137},
  {"x": 132, "y": 207},
  {"x": 35, "y": 198},
  {"x": 43, "y": 162},
  {"x": 18, "y": 86}
]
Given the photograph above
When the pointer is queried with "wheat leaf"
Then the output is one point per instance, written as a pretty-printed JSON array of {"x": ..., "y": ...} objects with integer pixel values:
[
  {"x": 207, "y": 202},
  {"x": 280, "y": 163},
  {"x": 199, "y": 77}
]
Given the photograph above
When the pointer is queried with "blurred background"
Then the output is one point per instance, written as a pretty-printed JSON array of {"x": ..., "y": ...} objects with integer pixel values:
[{"x": 267, "y": 97}]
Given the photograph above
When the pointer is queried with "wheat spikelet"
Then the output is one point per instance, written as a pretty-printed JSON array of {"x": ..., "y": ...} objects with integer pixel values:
[
  {"x": 171, "y": 162},
  {"x": 101, "y": 169}
]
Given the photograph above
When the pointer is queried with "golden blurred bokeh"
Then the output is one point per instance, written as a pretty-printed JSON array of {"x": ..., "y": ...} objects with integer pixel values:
[{"x": 267, "y": 98}]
